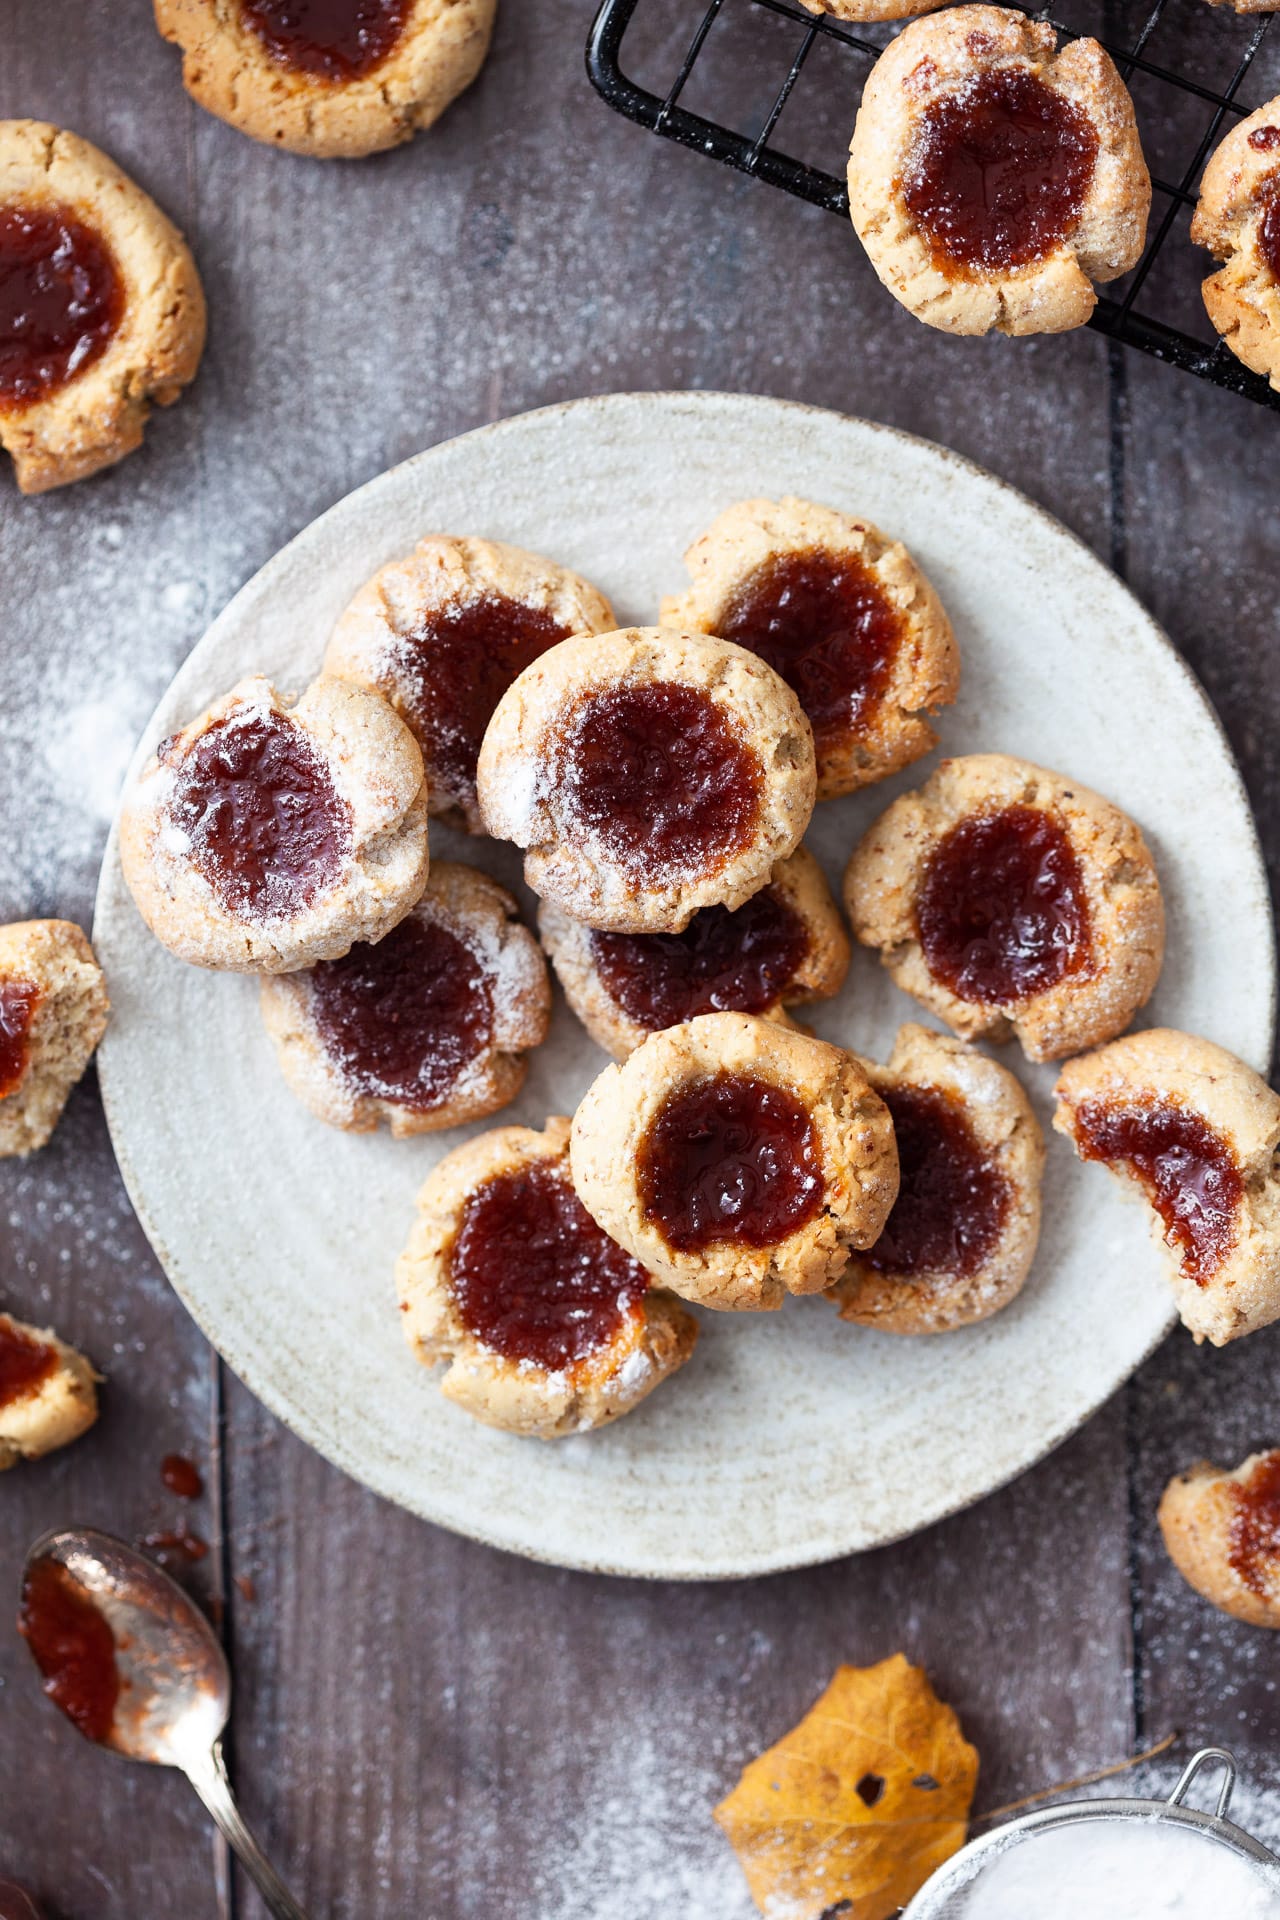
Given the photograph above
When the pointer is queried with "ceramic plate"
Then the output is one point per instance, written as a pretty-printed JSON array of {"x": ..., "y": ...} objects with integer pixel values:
[{"x": 790, "y": 1437}]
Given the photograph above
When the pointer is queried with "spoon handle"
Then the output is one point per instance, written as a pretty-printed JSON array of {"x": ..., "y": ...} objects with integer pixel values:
[{"x": 208, "y": 1775}]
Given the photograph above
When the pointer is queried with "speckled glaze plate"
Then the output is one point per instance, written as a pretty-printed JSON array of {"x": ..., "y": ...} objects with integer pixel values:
[{"x": 789, "y": 1438}]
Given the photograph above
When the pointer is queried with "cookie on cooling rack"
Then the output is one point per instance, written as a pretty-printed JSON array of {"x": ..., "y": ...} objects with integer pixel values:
[
  {"x": 1222, "y": 1530},
  {"x": 993, "y": 179},
  {"x": 865, "y": 11},
  {"x": 47, "y": 1392},
  {"x": 1238, "y": 219},
  {"x": 53, "y": 1012}
]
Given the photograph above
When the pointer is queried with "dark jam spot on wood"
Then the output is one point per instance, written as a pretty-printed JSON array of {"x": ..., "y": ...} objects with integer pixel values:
[
  {"x": 1002, "y": 912},
  {"x": 1269, "y": 234},
  {"x": 25, "y": 1362},
  {"x": 822, "y": 621},
  {"x": 332, "y": 39},
  {"x": 1265, "y": 139},
  {"x": 1255, "y": 1527},
  {"x": 730, "y": 1158},
  {"x": 181, "y": 1476},
  {"x": 73, "y": 1647},
  {"x": 740, "y": 962},
  {"x": 1186, "y": 1169},
  {"x": 18, "y": 1002},
  {"x": 952, "y": 1201},
  {"x": 265, "y": 823},
  {"x": 61, "y": 300},
  {"x": 999, "y": 172},
  {"x": 178, "y": 1548},
  {"x": 534, "y": 1278},
  {"x": 657, "y": 774},
  {"x": 403, "y": 1019}
]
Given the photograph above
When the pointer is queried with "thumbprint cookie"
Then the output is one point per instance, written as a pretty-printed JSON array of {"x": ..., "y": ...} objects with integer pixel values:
[
  {"x": 545, "y": 1325},
  {"x": 1011, "y": 901},
  {"x": 1222, "y": 1531},
  {"x": 47, "y": 1392},
  {"x": 102, "y": 313},
  {"x": 443, "y": 633},
  {"x": 53, "y": 1012},
  {"x": 335, "y": 79},
  {"x": 993, "y": 179},
  {"x": 847, "y": 618},
  {"x": 962, "y": 1234},
  {"x": 263, "y": 837},
  {"x": 1195, "y": 1132},
  {"x": 739, "y": 1160},
  {"x": 428, "y": 1028},
  {"x": 868, "y": 10},
  {"x": 648, "y": 773},
  {"x": 1238, "y": 220},
  {"x": 784, "y": 946}
]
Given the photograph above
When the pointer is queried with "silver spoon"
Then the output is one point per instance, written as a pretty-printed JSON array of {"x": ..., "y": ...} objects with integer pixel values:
[{"x": 174, "y": 1682}]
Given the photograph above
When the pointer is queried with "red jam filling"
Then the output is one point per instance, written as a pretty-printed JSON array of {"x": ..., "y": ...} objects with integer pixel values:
[
  {"x": 740, "y": 962},
  {"x": 402, "y": 1020},
  {"x": 952, "y": 1202},
  {"x": 332, "y": 39},
  {"x": 260, "y": 813},
  {"x": 999, "y": 173},
  {"x": 18, "y": 1002},
  {"x": 1269, "y": 234},
  {"x": 1002, "y": 912},
  {"x": 25, "y": 1362},
  {"x": 72, "y": 1645},
  {"x": 1186, "y": 1169},
  {"x": 534, "y": 1278},
  {"x": 1265, "y": 139},
  {"x": 61, "y": 301},
  {"x": 730, "y": 1158},
  {"x": 181, "y": 1476},
  {"x": 1255, "y": 1526}
]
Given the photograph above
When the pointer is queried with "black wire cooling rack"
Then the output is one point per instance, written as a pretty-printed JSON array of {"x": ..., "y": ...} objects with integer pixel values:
[{"x": 1187, "y": 69}]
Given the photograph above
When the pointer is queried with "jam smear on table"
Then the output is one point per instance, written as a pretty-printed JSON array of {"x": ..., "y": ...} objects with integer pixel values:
[
  {"x": 825, "y": 624},
  {"x": 1002, "y": 911},
  {"x": 952, "y": 1202},
  {"x": 999, "y": 172},
  {"x": 332, "y": 39},
  {"x": 72, "y": 1645},
  {"x": 534, "y": 1278},
  {"x": 61, "y": 301},
  {"x": 259, "y": 809},
  {"x": 25, "y": 1362},
  {"x": 657, "y": 773},
  {"x": 402, "y": 1019},
  {"x": 730, "y": 1158},
  {"x": 1186, "y": 1169},
  {"x": 19, "y": 1000},
  {"x": 740, "y": 962},
  {"x": 1255, "y": 1526},
  {"x": 1269, "y": 233},
  {"x": 173, "y": 1549},
  {"x": 181, "y": 1476}
]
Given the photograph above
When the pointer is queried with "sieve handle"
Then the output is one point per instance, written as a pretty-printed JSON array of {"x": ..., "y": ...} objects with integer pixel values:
[{"x": 1208, "y": 1756}]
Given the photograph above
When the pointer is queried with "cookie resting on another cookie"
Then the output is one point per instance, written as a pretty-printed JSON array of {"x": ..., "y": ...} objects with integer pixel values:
[
  {"x": 1238, "y": 219},
  {"x": 47, "y": 1392},
  {"x": 1222, "y": 1531},
  {"x": 53, "y": 1012}
]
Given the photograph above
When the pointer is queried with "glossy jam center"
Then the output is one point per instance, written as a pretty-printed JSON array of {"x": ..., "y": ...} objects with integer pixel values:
[
  {"x": 824, "y": 623},
  {"x": 403, "y": 1019},
  {"x": 73, "y": 1647},
  {"x": 18, "y": 1002},
  {"x": 730, "y": 1158},
  {"x": 333, "y": 39},
  {"x": 1269, "y": 234},
  {"x": 657, "y": 776},
  {"x": 999, "y": 172},
  {"x": 1255, "y": 1526},
  {"x": 260, "y": 813},
  {"x": 61, "y": 300},
  {"x": 1002, "y": 912},
  {"x": 534, "y": 1277},
  {"x": 952, "y": 1201},
  {"x": 739, "y": 962},
  {"x": 25, "y": 1362},
  {"x": 1186, "y": 1169}
]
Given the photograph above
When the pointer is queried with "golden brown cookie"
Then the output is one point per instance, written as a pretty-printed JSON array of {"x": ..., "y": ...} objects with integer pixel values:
[
  {"x": 262, "y": 838},
  {"x": 1196, "y": 1132},
  {"x": 53, "y": 1012},
  {"x": 993, "y": 179},
  {"x": 546, "y": 1326},
  {"x": 1222, "y": 1530},
  {"x": 444, "y": 632},
  {"x": 648, "y": 773},
  {"x": 47, "y": 1396},
  {"x": 962, "y": 1235},
  {"x": 868, "y": 10},
  {"x": 427, "y": 1029},
  {"x": 844, "y": 614},
  {"x": 101, "y": 310},
  {"x": 335, "y": 79},
  {"x": 739, "y": 1160},
  {"x": 1238, "y": 219},
  {"x": 1011, "y": 901}
]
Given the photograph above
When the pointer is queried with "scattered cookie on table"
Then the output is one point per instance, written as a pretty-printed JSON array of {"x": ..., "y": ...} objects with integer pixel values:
[
  {"x": 53, "y": 1012},
  {"x": 1011, "y": 901},
  {"x": 47, "y": 1392},
  {"x": 1223, "y": 1534},
  {"x": 844, "y": 614},
  {"x": 1238, "y": 219}
]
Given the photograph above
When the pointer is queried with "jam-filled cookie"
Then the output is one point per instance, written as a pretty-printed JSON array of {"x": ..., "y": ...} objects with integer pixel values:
[
  {"x": 1222, "y": 1530},
  {"x": 1009, "y": 900},
  {"x": 53, "y": 1012},
  {"x": 264, "y": 837},
  {"x": 101, "y": 310},
  {"x": 444, "y": 632},
  {"x": 1196, "y": 1132},
  {"x": 335, "y": 79},
  {"x": 546, "y": 1325},
  {"x": 963, "y": 1231},
  {"x": 1238, "y": 219},
  {"x": 868, "y": 10},
  {"x": 47, "y": 1392},
  {"x": 847, "y": 618},
  {"x": 784, "y": 946},
  {"x": 739, "y": 1160},
  {"x": 992, "y": 179},
  {"x": 648, "y": 773},
  {"x": 428, "y": 1028}
]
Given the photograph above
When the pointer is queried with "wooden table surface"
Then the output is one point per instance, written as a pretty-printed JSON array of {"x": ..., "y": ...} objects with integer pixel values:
[{"x": 423, "y": 1727}]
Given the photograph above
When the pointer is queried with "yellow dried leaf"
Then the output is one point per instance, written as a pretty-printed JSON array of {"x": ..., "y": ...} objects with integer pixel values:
[{"x": 859, "y": 1804}]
